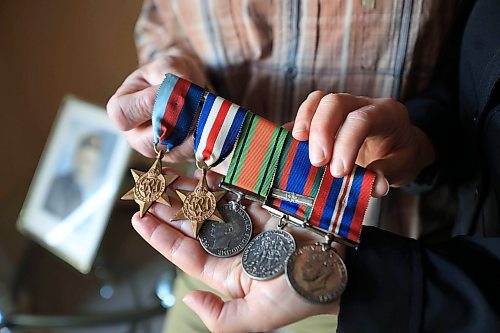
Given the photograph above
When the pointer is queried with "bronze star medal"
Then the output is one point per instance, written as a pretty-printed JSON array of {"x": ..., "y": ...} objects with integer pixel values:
[
  {"x": 150, "y": 187},
  {"x": 199, "y": 205}
]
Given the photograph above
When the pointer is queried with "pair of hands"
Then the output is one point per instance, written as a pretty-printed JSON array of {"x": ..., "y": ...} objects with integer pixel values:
[
  {"x": 254, "y": 306},
  {"x": 342, "y": 129}
]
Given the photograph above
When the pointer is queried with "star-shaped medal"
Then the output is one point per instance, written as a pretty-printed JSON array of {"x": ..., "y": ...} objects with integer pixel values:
[
  {"x": 149, "y": 187},
  {"x": 199, "y": 205}
]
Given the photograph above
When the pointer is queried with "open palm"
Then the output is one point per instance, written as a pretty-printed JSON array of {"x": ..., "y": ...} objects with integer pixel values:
[{"x": 255, "y": 306}]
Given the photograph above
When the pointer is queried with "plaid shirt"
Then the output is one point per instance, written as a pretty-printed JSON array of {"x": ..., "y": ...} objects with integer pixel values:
[{"x": 269, "y": 55}]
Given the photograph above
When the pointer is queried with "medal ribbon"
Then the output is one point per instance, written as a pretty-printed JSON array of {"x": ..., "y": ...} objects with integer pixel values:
[
  {"x": 296, "y": 174},
  {"x": 218, "y": 128},
  {"x": 174, "y": 110},
  {"x": 341, "y": 203},
  {"x": 256, "y": 155}
]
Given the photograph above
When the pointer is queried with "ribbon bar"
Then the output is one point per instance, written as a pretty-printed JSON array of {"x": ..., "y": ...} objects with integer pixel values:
[
  {"x": 218, "y": 128},
  {"x": 256, "y": 155},
  {"x": 341, "y": 203},
  {"x": 297, "y": 175},
  {"x": 174, "y": 110}
]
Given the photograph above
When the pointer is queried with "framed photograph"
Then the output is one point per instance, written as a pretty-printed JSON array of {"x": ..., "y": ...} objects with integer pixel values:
[{"x": 75, "y": 184}]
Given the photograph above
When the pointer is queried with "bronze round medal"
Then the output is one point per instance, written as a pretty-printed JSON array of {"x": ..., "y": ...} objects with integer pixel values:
[
  {"x": 150, "y": 186},
  {"x": 199, "y": 204},
  {"x": 318, "y": 275}
]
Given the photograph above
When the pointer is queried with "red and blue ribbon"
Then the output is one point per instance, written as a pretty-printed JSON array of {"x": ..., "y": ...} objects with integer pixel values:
[
  {"x": 219, "y": 125},
  {"x": 341, "y": 203},
  {"x": 296, "y": 174},
  {"x": 174, "y": 110}
]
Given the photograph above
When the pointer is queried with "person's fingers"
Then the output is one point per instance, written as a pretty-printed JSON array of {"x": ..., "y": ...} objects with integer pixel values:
[
  {"x": 220, "y": 316},
  {"x": 183, "y": 251},
  {"x": 356, "y": 127},
  {"x": 329, "y": 116},
  {"x": 213, "y": 179},
  {"x": 182, "y": 183},
  {"x": 395, "y": 170},
  {"x": 380, "y": 186},
  {"x": 258, "y": 215},
  {"x": 133, "y": 101},
  {"x": 261, "y": 218},
  {"x": 238, "y": 314},
  {"x": 132, "y": 109},
  {"x": 136, "y": 81},
  {"x": 288, "y": 126},
  {"x": 305, "y": 114},
  {"x": 181, "y": 153},
  {"x": 165, "y": 213},
  {"x": 141, "y": 139}
]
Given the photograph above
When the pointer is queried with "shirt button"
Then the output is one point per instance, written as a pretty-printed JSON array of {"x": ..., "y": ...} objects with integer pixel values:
[{"x": 291, "y": 71}]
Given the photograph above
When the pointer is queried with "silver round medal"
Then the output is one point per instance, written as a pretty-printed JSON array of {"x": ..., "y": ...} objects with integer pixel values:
[
  {"x": 265, "y": 256},
  {"x": 318, "y": 275},
  {"x": 229, "y": 238}
]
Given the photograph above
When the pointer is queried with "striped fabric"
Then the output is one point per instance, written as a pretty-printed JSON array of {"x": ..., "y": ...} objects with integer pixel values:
[
  {"x": 341, "y": 204},
  {"x": 174, "y": 110},
  {"x": 256, "y": 155},
  {"x": 296, "y": 174},
  {"x": 218, "y": 127},
  {"x": 269, "y": 55}
]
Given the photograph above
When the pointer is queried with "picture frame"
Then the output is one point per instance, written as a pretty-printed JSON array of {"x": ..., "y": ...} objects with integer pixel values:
[{"x": 76, "y": 183}]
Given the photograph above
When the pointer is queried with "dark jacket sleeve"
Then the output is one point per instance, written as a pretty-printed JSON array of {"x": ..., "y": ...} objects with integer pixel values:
[
  {"x": 436, "y": 109},
  {"x": 398, "y": 284}
]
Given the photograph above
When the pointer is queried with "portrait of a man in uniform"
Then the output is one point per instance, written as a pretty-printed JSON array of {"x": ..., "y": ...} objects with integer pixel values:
[{"x": 68, "y": 190}]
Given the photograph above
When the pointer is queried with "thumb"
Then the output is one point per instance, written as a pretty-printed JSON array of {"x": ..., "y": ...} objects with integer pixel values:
[
  {"x": 130, "y": 109},
  {"x": 380, "y": 186},
  {"x": 389, "y": 173},
  {"x": 217, "y": 315},
  {"x": 288, "y": 126},
  {"x": 181, "y": 153}
]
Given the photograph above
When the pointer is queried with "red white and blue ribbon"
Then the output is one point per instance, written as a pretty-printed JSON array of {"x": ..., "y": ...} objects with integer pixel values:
[
  {"x": 174, "y": 110},
  {"x": 341, "y": 203},
  {"x": 219, "y": 125}
]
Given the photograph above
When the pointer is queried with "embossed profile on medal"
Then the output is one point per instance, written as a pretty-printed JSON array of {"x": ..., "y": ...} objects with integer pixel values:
[
  {"x": 314, "y": 274},
  {"x": 222, "y": 234}
]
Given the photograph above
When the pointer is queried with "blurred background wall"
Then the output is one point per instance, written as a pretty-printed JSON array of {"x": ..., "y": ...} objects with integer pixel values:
[{"x": 49, "y": 48}]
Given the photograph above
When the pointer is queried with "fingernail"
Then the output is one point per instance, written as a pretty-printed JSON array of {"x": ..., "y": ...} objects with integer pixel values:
[
  {"x": 388, "y": 187},
  {"x": 317, "y": 155},
  {"x": 136, "y": 219},
  {"x": 298, "y": 130},
  {"x": 382, "y": 186},
  {"x": 338, "y": 167},
  {"x": 188, "y": 300}
]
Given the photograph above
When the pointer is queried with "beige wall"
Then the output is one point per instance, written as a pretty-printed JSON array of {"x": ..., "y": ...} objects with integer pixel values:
[{"x": 47, "y": 49}]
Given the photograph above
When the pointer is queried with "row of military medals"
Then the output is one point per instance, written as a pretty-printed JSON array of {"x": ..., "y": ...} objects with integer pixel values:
[
  {"x": 316, "y": 272},
  {"x": 227, "y": 228}
]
